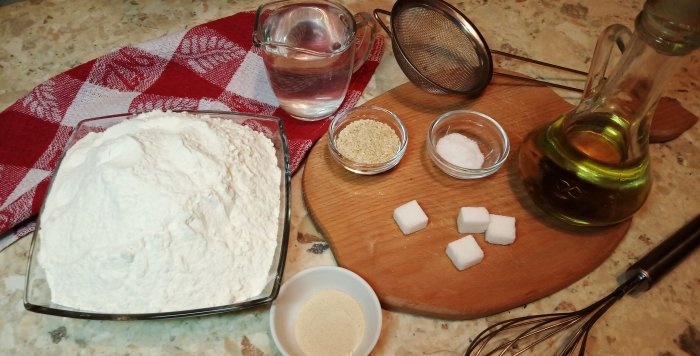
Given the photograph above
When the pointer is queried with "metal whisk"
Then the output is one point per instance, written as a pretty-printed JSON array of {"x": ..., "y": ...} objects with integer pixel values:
[{"x": 518, "y": 335}]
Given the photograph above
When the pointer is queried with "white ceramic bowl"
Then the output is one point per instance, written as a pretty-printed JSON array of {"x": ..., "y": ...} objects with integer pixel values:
[{"x": 298, "y": 289}]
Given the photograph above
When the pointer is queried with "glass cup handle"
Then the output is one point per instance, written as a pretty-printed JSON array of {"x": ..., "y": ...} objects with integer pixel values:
[
  {"x": 364, "y": 38},
  {"x": 618, "y": 35}
]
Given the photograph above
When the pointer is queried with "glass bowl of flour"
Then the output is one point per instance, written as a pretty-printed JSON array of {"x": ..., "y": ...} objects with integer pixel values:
[{"x": 163, "y": 214}]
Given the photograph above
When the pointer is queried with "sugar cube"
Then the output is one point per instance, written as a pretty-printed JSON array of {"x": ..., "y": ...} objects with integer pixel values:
[
  {"x": 464, "y": 252},
  {"x": 410, "y": 217},
  {"x": 472, "y": 220},
  {"x": 501, "y": 230}
]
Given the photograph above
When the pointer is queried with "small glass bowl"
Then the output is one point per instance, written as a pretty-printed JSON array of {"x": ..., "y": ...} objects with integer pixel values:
[
  {"x": 486, "y": 132},
  {"x": 367, "y": 112}
]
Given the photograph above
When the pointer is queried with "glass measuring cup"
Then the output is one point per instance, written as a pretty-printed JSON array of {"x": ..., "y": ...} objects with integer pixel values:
[{"x": 310, "y": 50}]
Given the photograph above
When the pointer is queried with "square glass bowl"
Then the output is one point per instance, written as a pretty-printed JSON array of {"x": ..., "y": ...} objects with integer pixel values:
[
  {"x": 37, "y": 297},
  {"x": 486, "y": 132}
]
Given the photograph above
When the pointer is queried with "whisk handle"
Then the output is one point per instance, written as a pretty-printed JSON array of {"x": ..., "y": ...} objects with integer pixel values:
[{"x": 666, "y": 255}]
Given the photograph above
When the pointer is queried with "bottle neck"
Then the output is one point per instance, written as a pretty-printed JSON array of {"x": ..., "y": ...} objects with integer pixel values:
[
  {"x": 665, "y": 32},
  {"x": 628, "y": 99},
  {"x": 630, "y": 95},
  {"x": 670, "y": 26},
  {"x": 637, "y": 82}
]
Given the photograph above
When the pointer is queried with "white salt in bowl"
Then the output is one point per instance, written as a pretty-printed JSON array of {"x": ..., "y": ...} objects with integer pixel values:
[
  {"x": 296, "y": 292},
  {"x": 378, "y": 114},
  {"x": 487, "y": 133}
]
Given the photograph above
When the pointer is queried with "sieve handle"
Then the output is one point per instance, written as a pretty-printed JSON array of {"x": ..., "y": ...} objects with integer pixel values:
[
  {"x": 535, "y": 61},
  {"x": 533, "y": 80},
  {"x": 377, "y": 15}
]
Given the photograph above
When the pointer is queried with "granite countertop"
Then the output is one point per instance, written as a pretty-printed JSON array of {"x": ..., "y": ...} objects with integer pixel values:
[{"x": 43, "y": 38}]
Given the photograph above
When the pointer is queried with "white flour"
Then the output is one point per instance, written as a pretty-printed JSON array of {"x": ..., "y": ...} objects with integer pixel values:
[{"x": 162, "y": 212}]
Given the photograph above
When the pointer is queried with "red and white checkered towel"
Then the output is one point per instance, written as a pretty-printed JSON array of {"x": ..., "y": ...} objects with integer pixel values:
[{"x": 213, "y": 66}]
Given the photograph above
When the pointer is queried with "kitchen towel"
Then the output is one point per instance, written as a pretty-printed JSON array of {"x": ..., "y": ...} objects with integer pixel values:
[{"x": 213, "y": 66}]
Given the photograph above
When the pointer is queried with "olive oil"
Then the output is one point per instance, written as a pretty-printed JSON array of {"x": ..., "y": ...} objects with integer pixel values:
[{"x": 589, "y": 173}]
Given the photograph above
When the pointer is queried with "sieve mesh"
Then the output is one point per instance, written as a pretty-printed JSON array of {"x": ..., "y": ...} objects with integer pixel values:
[{"x": 440, "y": 49}]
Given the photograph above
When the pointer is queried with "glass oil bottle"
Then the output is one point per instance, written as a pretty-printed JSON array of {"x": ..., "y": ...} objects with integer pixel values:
[{"x": 591, "y": 166}]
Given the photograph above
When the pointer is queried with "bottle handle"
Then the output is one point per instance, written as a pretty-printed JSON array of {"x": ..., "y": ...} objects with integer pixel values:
[
  {"x": 616, "y": 34},
  {"x": 364, "y": 38}
]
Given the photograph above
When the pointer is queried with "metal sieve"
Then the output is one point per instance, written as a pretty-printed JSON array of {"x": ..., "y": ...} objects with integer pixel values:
[{"x": 442, "y": 52}]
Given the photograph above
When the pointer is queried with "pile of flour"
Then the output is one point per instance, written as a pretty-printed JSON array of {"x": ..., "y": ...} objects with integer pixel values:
[{"x": 162, "y": 212}]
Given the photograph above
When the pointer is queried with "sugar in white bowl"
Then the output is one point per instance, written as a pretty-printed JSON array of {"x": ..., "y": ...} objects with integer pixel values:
[
  {"x": 464, "y": 252},
  {"x": 501, "y": 230},
  {"x": 410, "y": 217},
  {"x": 472, "y": 220}
]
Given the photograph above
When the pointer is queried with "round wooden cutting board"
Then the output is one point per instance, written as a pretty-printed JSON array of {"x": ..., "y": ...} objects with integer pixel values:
[{"x": 412, "y": 273}]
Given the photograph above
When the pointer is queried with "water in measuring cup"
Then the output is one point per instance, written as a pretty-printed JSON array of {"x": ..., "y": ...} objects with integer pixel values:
[{"x": 309, "y": 85}]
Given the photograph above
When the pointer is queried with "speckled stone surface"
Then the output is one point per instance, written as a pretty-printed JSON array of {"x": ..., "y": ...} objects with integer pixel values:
[{"x": 39, "y": 39}]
